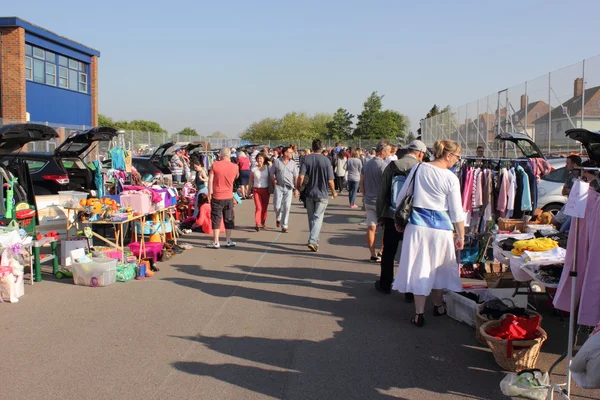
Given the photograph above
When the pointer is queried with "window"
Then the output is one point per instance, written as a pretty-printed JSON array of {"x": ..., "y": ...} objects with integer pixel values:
[
  {"x": 28, "y": 68},
  {"x": 53, "y": 69},
  {"x": 38, "y": 53},
  {"x": 50, "y": 74},
  {"x": 558, "y": 175},
  {"x": 536, "y": 115},
  {"x": 51, "y": 57},
  {"x": 63, "y": 77},
  {"x": 38, "y": 71},
  {"x": 73, "y": 80},
  {"x": 83, "y": 83}
]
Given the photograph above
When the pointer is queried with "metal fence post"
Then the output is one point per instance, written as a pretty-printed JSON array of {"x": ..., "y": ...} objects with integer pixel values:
[
  {"x": 582, "y": 100},
  {"x": 549, "y": 111}
]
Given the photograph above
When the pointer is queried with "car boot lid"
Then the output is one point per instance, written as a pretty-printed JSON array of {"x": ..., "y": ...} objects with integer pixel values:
[
  {"x": 15, "y": 136},
  {"x": 79, "y": 142},
  {"x": 590, "y": 140},
  {"x": 523, "y": 143}
]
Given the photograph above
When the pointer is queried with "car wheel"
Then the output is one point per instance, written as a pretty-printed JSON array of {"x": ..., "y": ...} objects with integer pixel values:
[{"x": 553, "y": 208}]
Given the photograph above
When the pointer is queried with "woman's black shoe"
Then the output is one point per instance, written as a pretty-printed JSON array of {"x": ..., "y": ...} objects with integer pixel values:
[
  {"x": 418, "y": 320},
  {"x": 437, "y": 312}
]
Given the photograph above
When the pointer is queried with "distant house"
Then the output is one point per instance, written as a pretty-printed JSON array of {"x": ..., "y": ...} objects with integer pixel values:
[
  {"x": 535, "y": 110},
  {"x": 568, "y": 115}
]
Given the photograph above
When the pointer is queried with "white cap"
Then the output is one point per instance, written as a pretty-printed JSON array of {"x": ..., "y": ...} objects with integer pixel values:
[{"x": 418, "y": 146}]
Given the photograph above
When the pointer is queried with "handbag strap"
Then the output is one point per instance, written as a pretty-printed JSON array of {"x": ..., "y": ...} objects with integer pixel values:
[{"x": 412, "y": 181}]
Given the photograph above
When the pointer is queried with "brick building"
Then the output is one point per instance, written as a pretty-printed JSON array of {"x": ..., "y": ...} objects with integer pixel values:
[{"x": 45, "y": 77}]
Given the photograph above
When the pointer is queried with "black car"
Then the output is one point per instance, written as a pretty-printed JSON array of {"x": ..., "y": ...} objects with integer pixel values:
[
  {"x": 65, "y": 169},
  {"x": 162, "y": 156},
  {"x": 47, "y": 175},
  {"x": 12, "y": 138},
  {"x": 73, "y": 151}
]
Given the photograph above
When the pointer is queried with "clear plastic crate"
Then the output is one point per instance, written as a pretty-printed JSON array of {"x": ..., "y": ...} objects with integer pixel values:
[
  {"x": 461, "y": 308},
  {"x": 99, "y": 272},
  {"x": 71, "y": 198}
]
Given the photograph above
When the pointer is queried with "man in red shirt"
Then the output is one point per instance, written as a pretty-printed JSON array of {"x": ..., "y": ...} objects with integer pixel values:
[{"x": 220, "y": 189}]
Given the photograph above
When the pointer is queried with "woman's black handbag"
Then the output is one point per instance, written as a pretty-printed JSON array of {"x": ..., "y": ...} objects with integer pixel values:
[{"x": 404, "y": 209}]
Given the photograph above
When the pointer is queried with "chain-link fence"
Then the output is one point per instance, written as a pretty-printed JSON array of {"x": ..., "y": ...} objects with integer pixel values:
[
  {"x": 543, "y": 108},
  {"x": 140, "y": 143}
]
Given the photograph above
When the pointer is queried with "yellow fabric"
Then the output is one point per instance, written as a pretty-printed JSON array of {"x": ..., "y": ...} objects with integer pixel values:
[
  {"x": 540, "y": 244},
  {"x": 155, "y": 238}
]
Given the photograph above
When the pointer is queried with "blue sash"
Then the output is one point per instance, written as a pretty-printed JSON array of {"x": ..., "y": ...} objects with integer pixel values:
[{"x": 431, "y": 219}]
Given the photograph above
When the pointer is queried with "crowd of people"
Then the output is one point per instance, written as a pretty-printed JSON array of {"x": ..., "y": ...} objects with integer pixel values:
[{"x": 425, "y": 247}]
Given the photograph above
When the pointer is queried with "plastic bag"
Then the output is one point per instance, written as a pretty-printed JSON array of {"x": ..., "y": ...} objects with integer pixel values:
[
  {"x": 125, "y": 272},
  {"x": 529, "y": 384}
]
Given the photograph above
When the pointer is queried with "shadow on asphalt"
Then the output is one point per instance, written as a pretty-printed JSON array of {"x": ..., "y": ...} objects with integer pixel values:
[
  {"x": 390, "y": 353},
  {"x": 257, "y": 246}
]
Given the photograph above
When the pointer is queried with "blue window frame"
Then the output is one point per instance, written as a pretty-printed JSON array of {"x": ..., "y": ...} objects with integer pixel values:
[{"x": 45, "y": 67}]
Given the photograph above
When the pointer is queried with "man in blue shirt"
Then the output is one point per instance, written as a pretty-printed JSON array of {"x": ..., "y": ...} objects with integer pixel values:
[{"x": 319, "y": 171}]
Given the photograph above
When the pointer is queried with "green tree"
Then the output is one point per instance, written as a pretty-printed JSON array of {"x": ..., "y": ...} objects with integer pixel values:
[
  {"x": 218, "y": 135},
  {"x": 365, "y": 129},
  {"x": 390, "y": 124},
  {"x": 103, "y": 120},
  {"x": 340, "y": 126},
  {"x": 319, "y": 124},
  {"x": 433, "y": 112},
  {"x": 295, "y": 126},
  {"x": 188, "y": 132},
  {"x": 146, "y": 126},
  {"x": 374, "y": 124},
  {"x": 261, "y": 131}
]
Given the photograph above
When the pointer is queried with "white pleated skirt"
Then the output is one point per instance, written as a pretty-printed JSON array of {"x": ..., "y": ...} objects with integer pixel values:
[{"x": 427, "y": 261}]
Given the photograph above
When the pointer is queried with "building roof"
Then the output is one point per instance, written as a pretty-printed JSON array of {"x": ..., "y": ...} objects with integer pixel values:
[
  {"x": 48, "y": 35},
  {"x": 521, "y": 113},
  {"x": 572, "y": 106}
]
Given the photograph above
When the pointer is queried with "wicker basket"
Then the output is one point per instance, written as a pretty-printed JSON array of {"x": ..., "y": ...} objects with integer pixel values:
[
  {"x": 524, "y": 353},
  {"x": 511, "y": 225},
  {"x": 480, "y": 320},
  {"x": 498, "y": 275}
]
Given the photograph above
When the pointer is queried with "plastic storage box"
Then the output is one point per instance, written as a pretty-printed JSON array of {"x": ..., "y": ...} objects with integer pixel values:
[
  {"x": 99, "y": 272},
  {"x": 71, "y": 198}
]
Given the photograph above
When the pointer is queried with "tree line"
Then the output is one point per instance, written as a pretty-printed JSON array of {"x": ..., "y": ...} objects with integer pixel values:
[
  {"x": 142, "y": 126},
  {"x": 372, "y": 123}
]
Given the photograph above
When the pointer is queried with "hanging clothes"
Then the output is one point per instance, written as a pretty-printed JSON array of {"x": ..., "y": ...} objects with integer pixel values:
[
  {"x": 526, "y": 190},
  {"x": 98, "y": 180},
  {"x": 117, "y": 156},
  {"x": 128, "y": 161},
  {"x": 588, "y": 268},
  {"x": 533, "y": 184},
  {"x": 504, "y": 181},
  {"x": 512, "y": 193}
]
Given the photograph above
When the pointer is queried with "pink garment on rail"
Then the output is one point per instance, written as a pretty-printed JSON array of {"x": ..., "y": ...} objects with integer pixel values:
[
  {"x": 503, "y": 194},
  {"x": 467, "y": 198},
  {"x": 156, "y": 198},
  {"x": 478, "y": 191},
  {"x": 588, "y": 267}
]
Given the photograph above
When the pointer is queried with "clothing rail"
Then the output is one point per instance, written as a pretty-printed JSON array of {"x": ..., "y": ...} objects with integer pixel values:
[
  {"x": 493, "y": 159},
  {"x": 587, "y": 168}
]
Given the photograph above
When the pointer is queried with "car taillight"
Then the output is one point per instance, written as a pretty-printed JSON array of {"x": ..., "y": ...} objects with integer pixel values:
[{"x": 60, "y": 179}]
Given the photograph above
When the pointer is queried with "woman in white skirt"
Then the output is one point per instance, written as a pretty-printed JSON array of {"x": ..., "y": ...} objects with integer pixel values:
[{"x": 428, "y": 259}]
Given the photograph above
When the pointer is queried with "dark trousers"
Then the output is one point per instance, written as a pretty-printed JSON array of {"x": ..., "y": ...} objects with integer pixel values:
[
  {"x": 391, "y": 238},
  {"x": 339, "y": 181}
]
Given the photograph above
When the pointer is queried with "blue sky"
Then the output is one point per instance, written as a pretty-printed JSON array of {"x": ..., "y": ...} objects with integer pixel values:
[{"x": 222, "y": 65}]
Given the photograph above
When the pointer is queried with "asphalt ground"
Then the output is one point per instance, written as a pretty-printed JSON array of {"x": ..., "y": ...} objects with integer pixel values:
[{"x": 266, "y": 319}]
